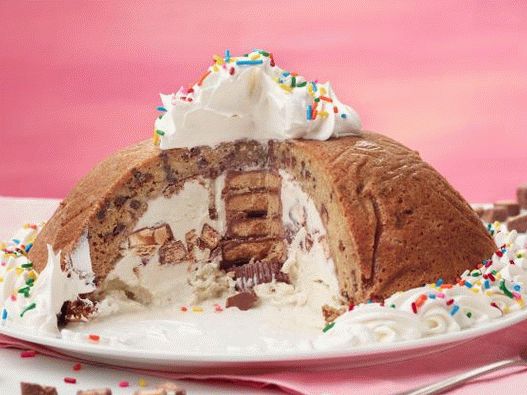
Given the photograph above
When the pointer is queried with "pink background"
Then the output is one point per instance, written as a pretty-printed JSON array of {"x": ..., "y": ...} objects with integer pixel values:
[{"x": 80, "y": 79}]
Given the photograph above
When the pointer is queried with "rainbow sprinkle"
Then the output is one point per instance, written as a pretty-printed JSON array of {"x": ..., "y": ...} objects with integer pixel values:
[
  {"x": 28, "y": 354},
  {"x": 454, "y": 310},
  {"x": 249, "y": 62},
  {"x": 27, "y": 308}
]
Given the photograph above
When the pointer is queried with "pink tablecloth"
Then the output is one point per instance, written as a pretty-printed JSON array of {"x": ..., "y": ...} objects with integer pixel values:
[{"x": 380, "y": 379}]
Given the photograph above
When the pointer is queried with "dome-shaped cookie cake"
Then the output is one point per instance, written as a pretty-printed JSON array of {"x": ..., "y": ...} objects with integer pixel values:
[{"x": 390, "y": 221}]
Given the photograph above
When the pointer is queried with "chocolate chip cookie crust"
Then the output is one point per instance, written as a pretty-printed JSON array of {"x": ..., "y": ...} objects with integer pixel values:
[{"x": 392, "y": 221}]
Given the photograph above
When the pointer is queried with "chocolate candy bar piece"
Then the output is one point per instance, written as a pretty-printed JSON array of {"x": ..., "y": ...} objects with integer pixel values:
[
  {"x": 162, "y": 234},
  {"x": 511, "y": 206},
  {"x": 172, "y": 252},
  {"x": 236, "y": 252},
  {"x": 255, "y": 180},
  {"x": 518, "y": 223},
  {"x": 253, "y": 205},
  {"x": 210, "y": 237},
  {"x": 521, "y": 193},
  {"x": 495, "y": 214},
  {"x": 141, "y": 237},
  {"x": 99, "y": 391},
  {"x": 251, "y": 274},
  {"x": 243, "y": 300},
  {"x": 255, "y": 227},
  {"x": 36, "y": 389}
]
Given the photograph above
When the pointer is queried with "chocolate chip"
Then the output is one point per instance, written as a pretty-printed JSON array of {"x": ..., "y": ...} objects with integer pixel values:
[
  {"x": 213, "y": 213},
  {"x": 101, "y": 213},
  {"x": 195, "y": 151},
  {"x": 120, "y": 200},
  {"x": 135, "y": 204},
  {"x": 36, "y": 389},
  {"x": 243, "y": 300},
  {"x": 141, "y": 177},
  {"x": 203, "y": 162},
  {"x": 324, "y": 215},
  {"x": 118, "y": 229}
]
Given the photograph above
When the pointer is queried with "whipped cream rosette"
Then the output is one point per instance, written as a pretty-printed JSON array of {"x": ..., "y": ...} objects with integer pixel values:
[{"x": 496, "y": 288}]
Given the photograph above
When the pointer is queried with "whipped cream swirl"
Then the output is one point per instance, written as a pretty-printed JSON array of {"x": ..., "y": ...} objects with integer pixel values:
[
  {"x": 249, "y": 97},
  {"x": 498, "y": 287}
]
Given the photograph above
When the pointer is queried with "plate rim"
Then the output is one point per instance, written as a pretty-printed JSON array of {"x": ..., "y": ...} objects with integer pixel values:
[{"x": 131, "y": 354}]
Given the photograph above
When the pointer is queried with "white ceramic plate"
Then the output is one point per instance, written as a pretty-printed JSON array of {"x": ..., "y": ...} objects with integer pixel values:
[{"x": 176, "y": 360}]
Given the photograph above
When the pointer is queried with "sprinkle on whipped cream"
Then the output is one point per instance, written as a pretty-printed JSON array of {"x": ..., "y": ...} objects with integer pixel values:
[
  {"x": 27, "y": 297},
  {"x": 17, "y": 277},
  {"x": 249, "y": 97},
  {"x": 498, "y": 286}
]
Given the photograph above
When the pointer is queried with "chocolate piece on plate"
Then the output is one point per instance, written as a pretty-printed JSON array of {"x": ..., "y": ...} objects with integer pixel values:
[
  {"x": 158, "y": 391},
  {"x": 98, "y": 391},
  {"x": 495, "y": 214},
  {"x": 513, "y": 208},
  {"x": 37, "y": 389},
  {"x": 518, "y": 223},
  {"x": 521, "y": 194},
  {"x": 172, "y": 388},
  {"x": 243, "y": 300}
]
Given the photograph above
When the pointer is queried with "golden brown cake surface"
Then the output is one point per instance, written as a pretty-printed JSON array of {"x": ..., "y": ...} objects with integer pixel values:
[{"x": 392, "y": 221}]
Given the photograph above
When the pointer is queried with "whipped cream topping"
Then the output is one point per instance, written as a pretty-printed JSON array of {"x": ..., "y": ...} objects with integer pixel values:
[
  {"x": 498, "y": 287},
  {"x": 249, "y": 97}
]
